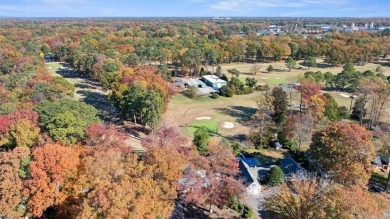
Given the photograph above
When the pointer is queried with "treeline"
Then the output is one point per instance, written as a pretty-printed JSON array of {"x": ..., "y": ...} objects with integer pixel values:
[{"x": 94, "y": 47}]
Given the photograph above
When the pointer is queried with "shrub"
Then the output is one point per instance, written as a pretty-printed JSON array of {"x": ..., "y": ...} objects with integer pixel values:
[
  {"x": 201, "y": 139},
  {"x": 275, "y": 176},
  {"x": 236, "y": 147},
  {"x": 226, "y": 91},
  {"x": 214, "y": 95},
  {"x": 245, "y": 211},
  {"x": 270, "y": 68},
  {"x": 344, "y": 112},
  {"x": 192, "y": 92},
  {"x": 291, "y": 145},
  {"x": 262, "y": 87}
]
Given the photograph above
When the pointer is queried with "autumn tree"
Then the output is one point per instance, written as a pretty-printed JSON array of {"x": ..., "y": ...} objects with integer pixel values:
[
  {"x": 355, "y": 202},
  {"x": 307, "y": 89},
  {"x": 359, "y": 110},
  {"x": 51, "y": 166},
  {"x": 135, "y": 84},
  {"x": 99, "y": 135},
  {"x": 23, "y": 133},
  {"x": 312, "y": 197},
  {"x": 116, "y": 182},
  {"x": 303, "y": 197},
  {"x": 210, "y": 179},
  {"x": 332, "y": 150},
  {"x": 316, "y": 106},
  {"x": 12, "y": 173}
]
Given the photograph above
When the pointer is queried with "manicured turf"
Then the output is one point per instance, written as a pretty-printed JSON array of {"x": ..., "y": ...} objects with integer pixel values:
[
  {"x": 275, "y": 81},
  {"x": 210, "y": 125}
]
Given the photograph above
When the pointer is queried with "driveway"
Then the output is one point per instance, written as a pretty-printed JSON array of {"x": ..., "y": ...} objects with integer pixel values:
[{"x": 257, "y": 202}]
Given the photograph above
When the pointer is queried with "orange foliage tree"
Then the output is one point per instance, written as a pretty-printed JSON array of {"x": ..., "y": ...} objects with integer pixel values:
[
  {"x": 12, "y": 172},
  {"x": 51, "y": 166},
  {"x": 344, "y": 151},
  {"x": 116, "y": 182}
]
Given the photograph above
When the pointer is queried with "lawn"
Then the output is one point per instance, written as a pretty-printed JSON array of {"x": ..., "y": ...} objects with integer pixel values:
[
  {"x": 275, "y": 81},
  {"x": 210, "y": 125}
]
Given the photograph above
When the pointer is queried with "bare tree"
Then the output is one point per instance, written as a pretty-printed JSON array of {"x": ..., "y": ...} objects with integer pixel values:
[
  {"x": 255, "y": 69},
  {"x": 302, "y": 198}
]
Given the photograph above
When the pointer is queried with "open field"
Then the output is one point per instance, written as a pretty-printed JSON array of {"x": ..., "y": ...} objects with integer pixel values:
[
  {"x": 282, "y": 75},
  {"x": 182, "y": 111}
]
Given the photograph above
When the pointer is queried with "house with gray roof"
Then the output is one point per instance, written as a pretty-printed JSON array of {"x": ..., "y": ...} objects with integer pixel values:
[
  {"x": 252, "y": 185},
  {"x": 251, "y": 172},
  {"x": 290, "y": 167}
]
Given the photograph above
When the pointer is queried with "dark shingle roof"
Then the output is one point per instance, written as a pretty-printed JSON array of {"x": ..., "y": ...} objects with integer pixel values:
[
  {"x": 245, "y": 173},
  {"x": 289, "y": 166}
]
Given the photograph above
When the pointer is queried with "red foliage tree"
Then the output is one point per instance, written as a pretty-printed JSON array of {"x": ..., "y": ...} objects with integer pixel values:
[
  {"x": 4, "y": 123},
  {"x": 98, "y": 135},
  {"x": 307, "y": 89},
  {"x": 26, "y": 114},
  {"x": 210, "y": 179}
]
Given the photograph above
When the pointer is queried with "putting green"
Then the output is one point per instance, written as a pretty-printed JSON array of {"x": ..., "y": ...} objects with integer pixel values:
[{"x": 210, "y": 125}]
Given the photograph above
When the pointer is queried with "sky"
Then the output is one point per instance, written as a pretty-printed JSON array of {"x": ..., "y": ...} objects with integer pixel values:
[{"x": 194, "y": 8}]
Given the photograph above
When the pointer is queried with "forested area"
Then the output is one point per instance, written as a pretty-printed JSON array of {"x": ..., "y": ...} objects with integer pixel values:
[{"x": 58, "y": 158}]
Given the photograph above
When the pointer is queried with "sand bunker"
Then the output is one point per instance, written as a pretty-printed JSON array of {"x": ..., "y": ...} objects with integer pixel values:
[
  {"x": 48, "y": 67},
  {"x": 278, "y": 78},
  {"x": 228, "y": 125},
  {"x": 203, "y": 118}
]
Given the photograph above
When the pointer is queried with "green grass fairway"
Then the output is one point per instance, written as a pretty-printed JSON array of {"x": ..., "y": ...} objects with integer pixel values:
[
  {"x": 210, "y": 125},
  {"x": 275, "y": 81}
]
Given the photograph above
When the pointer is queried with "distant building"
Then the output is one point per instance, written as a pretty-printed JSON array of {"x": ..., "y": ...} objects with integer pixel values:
[{"x": 214, "y": 81}]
